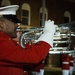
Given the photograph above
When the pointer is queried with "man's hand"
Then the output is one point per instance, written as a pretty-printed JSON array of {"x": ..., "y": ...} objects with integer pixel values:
[
  {"x": 50, "y": 26},
  {"x": 49, "y": 31},
  {"x": 18, "y": 36}
]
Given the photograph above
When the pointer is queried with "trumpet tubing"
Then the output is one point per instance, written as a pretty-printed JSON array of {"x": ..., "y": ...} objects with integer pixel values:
[{"x": 61, "y": 40}]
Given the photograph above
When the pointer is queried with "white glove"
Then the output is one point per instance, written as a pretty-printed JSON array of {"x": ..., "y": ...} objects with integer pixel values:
[
  {"x": 49, "y": 26},
  {"x": 49, "y": 31}
]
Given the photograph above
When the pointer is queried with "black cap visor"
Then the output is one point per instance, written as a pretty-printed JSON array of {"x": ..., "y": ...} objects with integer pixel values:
[{"x": 12, "y": 18}]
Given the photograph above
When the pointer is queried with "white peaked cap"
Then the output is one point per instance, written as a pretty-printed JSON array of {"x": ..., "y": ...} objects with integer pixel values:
[
  {"x": 11, "y": 9},
  {"x": 9, "y": 12}
]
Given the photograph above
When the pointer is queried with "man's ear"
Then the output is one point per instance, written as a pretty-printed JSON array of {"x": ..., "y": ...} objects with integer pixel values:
[{"x": 1, "y": 25}]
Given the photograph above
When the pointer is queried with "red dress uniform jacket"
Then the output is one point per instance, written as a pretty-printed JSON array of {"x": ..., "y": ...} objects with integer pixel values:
[
  {"x": 13, "y": 56},
  {"x": 71, "y": 61},
  {"x": 65, "y": 61}
]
